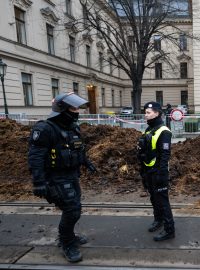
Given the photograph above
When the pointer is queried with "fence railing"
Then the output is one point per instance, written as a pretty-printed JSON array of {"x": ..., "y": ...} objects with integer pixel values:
[
  {"x": 136, "y": 121},
  {"x": 188, "y": 126}
]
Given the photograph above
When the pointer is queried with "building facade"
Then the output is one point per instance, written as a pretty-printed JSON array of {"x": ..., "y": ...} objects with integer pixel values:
[{"x": 45, "y": 56}]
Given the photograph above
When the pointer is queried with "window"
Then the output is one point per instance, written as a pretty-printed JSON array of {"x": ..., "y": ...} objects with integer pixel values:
[
  {"x": 113, "y": 97},
  {"x": 111, "y": 65},
  {"x": 101, "y": 61},
  {"x": 157, "y": 43},
  {"x": 183, "y": 70},
  {"x": 184, "y": 97},
  {"x": 55, "y": 88},
  {"x": 85, "y": 16},
  {"x": 158, "y": 70},
  {"x": 103, "y": 97},
  {"x": 27, "y": 89},
  {"x": 50, "y": 39},
  {"x": 75, "y": 87},
  {"x": 72, "y": 48},
  {"x": 180, "y": 8},
  {"x": 68, "y": 7},
  {"x": 108, "y": 30},
  {"x": 120, "y": 98},
  {"x": 88, "y": 56},
  {"x": 131, "y": 43},
  {"x": 98, "y": 23},
  {"x": 183, "y": 42},
  {"x": 20, "y": 25},
  {"x": 159, "y": 97}
]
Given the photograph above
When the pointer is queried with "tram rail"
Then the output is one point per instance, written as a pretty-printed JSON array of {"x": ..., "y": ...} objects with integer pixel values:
[
  {"x": 64, "y": 267},
  {"x": 95, "y": 205}
]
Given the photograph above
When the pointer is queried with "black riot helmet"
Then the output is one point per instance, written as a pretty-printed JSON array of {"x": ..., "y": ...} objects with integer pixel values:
[{"x": 62, "y": 102}]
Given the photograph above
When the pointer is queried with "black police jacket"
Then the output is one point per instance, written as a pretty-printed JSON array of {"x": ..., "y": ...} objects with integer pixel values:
[{"x": 55, "y": 154}]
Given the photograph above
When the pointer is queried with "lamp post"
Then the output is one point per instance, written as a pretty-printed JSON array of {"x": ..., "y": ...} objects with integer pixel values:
[{"x": 3, "y": 68}]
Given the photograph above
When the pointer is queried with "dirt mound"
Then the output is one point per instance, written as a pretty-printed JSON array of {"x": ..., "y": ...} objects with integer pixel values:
[
  {"x": 184, "y": 166},
  {"x": 14, "y": 176},
  {"x": 112, "y": 150}
]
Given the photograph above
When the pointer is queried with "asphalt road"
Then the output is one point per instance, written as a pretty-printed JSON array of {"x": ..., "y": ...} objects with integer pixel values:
[{"x": 117, "y": 239}]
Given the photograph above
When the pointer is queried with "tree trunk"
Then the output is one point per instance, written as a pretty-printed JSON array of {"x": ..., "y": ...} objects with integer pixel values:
[{"x": 137, "y": 92}]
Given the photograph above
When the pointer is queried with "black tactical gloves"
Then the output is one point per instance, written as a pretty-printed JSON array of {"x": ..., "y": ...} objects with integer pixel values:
[
  {"x": 39, "y": 183},
  {"x": 91, "y": 168},
  {"x": 40, "y": 189}
]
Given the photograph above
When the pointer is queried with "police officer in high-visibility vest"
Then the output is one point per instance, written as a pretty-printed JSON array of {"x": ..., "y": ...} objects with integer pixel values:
[
  {"x": 154, "y": 153},
  {"x": 55, "y": 156}
]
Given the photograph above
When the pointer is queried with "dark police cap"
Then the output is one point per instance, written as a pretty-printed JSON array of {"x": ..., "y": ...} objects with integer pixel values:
[{"x": 153, "y": 105}]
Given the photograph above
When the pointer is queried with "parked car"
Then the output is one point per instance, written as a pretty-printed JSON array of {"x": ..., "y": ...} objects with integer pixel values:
[
  {"x": 126, "y": 111},
  {"x": 183, "y": 108}
]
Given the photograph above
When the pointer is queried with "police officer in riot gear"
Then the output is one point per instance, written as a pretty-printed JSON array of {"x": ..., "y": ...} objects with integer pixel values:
[
  {"x": 154, "y": 153},
  {"x": 55, "y": 156}
]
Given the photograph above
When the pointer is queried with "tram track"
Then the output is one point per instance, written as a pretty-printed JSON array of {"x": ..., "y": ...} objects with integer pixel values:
[
  {"x": 94, "y": 205},
  {"x": 64, "y": 267}
]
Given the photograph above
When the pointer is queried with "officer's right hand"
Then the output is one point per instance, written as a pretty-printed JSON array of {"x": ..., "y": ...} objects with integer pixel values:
[
  {"x": 90, "y": 166},
  {"x": 40, "y": 190},
  {"x": 92, "y": 169}
]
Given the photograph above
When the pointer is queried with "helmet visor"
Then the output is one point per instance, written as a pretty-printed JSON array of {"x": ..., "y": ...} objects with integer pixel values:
[{"x": 75, "y": 101}]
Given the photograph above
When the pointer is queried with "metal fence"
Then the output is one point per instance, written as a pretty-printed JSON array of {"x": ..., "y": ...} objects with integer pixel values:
[
  {"x": 136, "y": 121},
  {"x": 189, "y": 126},
  {"x": 23, "y": 118}
]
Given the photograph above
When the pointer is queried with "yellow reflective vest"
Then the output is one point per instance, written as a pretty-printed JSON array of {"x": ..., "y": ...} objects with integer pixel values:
[{"x": 154, "y": 140}]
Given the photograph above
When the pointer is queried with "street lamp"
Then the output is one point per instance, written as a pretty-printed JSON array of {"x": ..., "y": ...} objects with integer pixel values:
[{"x": 3, "y": 68}]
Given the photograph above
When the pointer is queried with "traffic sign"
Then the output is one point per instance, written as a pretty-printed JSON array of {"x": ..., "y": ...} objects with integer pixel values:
[{"x": 176, "y": 115}]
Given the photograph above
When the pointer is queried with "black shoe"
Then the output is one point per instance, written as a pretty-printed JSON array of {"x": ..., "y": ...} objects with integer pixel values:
[
  {"x": 164, "y": 236},
  {"x": 155, "y": 226},
  {"x": 81, "y": 239},
  {"x": 72, "y": 253}
]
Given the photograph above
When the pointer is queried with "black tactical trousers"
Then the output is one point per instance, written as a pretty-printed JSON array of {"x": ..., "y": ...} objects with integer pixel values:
[
  {"x": 68, "y": 199},
  {"x": 161, "y": 206},
  {"x": 66, "y": 226}
]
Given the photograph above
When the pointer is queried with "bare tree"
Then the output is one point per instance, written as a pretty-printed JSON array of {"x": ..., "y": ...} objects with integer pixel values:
[{"x": 133, "y": 31}]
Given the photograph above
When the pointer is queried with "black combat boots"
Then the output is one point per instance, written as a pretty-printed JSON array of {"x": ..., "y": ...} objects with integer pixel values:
[
  {"x": 155, "y": 226},
  {"x": 164, "y": 235},
  {"x": 81, "y": 239},
  {"x": 72, "y": 253}
]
